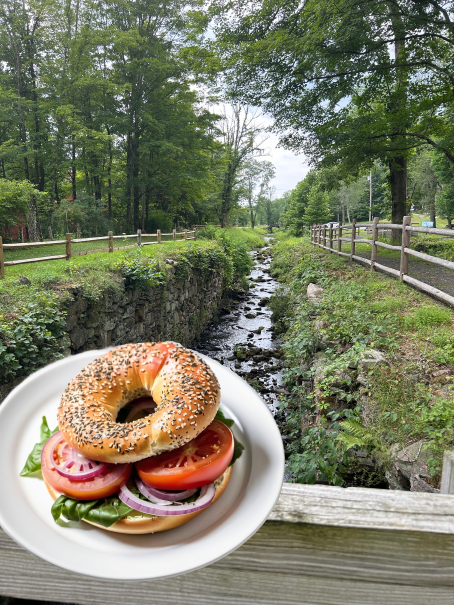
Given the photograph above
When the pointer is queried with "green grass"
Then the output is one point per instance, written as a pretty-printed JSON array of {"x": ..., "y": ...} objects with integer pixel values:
[
  {"x": 76, "y": 248},
  {"x": 94, "y": 273},
  {"x": 428, "y": 316},
  {"x": 32, "y": 318}
]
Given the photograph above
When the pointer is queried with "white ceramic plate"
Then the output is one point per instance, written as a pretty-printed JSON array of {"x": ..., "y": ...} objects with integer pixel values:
[{"x": 25, "y": 504}]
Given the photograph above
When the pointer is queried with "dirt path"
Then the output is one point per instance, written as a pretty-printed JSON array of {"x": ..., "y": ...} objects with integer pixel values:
[{"x": 431, "y": 274}]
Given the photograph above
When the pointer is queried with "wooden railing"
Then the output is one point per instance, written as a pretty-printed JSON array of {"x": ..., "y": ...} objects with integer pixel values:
[
  {"x": 321, "y": 545},
  {"x": 68, "y": 241},
  {"x": 325, "y": 237}
]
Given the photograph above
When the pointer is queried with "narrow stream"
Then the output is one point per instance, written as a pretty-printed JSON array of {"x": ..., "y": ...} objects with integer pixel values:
[{"x": 243, "y": 340}]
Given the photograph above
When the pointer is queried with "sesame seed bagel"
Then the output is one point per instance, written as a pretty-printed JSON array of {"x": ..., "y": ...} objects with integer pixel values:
[
  {"x": 185, "y": 390},
  {"x": 150, "y": 525}
]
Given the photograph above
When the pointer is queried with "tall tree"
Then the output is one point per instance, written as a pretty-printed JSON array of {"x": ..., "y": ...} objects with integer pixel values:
[
  {"x": 241, "y": 133},
  {"x": 347, "y": 82},
  {"x": 255, "y": 178}
]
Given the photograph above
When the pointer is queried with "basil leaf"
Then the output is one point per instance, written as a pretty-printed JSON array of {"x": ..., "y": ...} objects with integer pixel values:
[
  {"x": 237, "y": 450},
  {"x": 33, "y": 463},
  {"x": 238, "y": 447},
  {"x": 220, "y": 416},
  {"x": 108, "y": 511},
  {"x": 105, "y": 511}
]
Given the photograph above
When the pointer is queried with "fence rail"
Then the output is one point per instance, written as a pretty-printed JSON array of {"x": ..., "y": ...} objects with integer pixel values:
[
  {"x": 321, "y": 235},
  {"x": 69, "y": 240}
]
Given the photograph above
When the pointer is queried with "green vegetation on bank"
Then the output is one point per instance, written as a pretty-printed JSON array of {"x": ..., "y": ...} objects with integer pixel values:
[
  {"x": 338, "y": 406},
  {"x": 32, "y": 319}
]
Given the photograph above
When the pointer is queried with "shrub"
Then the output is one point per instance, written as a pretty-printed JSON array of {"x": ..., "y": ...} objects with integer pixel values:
[
  {"x": 33, "y": 338},
  {"x": 138, "y": 271}
]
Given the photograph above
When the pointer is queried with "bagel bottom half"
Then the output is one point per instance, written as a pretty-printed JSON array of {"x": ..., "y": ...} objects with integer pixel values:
[{"x": 145, "y": 525}]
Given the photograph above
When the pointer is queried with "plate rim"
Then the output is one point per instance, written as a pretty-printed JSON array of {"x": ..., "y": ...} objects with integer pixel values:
[{"x": 47, "y": 555}]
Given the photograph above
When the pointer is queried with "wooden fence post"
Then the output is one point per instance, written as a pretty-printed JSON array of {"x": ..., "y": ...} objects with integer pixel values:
[
  {"x": 2, "y": 262},
  {"x": 51, "y": 237},
  {"x": 174, "y": 236},
  {"x": 139, "y": 237},
  {"x": 68, "y": 246},
  {"x": 324, "y": 236},
  {"x": 405, "y": 244},
  {"x": 158, "y": 233},
  {"x": 185, "y": 234},
  {"x": 330, "y": 238},
  {"x": 353, "y": 244},
  {"x": 110, "y": 241},
  {"x": 78, "y": 230},
  {"x": 447, "y": 474},
  {"x": 339, "y": 240},
  {"x": 373, "y": 254}
]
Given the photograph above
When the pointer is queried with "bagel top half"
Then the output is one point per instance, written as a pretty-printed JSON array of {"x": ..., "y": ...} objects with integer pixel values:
[{"x": 182, "y": 385}]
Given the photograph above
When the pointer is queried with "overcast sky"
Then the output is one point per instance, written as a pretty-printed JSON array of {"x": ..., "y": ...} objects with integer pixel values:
[{"x": 290, "y": 168}]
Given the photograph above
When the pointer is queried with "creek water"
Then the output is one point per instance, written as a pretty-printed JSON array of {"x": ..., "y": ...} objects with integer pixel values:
[{"x": 243, "y": 340}]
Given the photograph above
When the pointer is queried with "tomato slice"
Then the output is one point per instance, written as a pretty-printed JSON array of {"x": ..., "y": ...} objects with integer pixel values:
[
  {"x": 105, "y": 484},
  {"x": 194, "y": 464}
]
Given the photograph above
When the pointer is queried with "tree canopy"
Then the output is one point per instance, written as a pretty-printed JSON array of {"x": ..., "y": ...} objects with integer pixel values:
[{"x": 347, "y": 82}]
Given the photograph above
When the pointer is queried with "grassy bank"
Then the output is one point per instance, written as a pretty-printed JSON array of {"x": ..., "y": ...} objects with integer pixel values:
[
  {"x": 32, "y": 317},
  {"x": 337, "y": 406}
]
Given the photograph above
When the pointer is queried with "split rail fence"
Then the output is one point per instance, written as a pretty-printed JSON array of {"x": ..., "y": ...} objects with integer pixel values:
[
  {"x": 68, "y": 241},
  {"x": 327, "y": 238}
]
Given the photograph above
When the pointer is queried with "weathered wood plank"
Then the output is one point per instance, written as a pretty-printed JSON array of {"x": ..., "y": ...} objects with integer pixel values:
[
  {"x": 33, "y": 260},
  {"x": 33, "y": 244},
  {"x": 365, "y": 508},
  {"x": 281, "y": 564},
  {"x": 432, "y": 230},
  {"x": 435, "y": 292},
  {"x": 431, "y": 259},
  {"x": 387, "y": 246}
]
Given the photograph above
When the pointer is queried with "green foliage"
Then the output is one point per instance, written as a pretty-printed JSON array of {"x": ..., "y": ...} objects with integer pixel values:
[
  {"x": 138, "y": 271},
  {"x": 15, "y": 198},
  {"x": 33, "y": 337},
  {"x": 317, "y": 210},
  {"x": 159, "y": 219},
  {"x": 105, "y": 511},
  {"x": 355, "y": 434},
  {"x": 428, "y": 316},
  {"x": 357, "y": 311},
  {"x": 33, "y": 462},
  {"x": 443, "y": 248},
  {"x": 295, "y": 62},
  {"x": 87, "y": 212}
]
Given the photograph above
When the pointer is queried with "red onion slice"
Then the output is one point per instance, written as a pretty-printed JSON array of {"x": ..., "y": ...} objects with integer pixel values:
[
  {"x": 207, "y": 493},
  {"x": 153, "y": 493},
  {"x": 74, "y": 467},
  {"x": 144, "y": 491}
]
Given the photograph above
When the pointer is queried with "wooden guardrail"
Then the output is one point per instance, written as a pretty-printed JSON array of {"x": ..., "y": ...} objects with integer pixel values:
[
  {"x": 68, "y": 241},
  {"x": 321, "y": 545},
  {"x": 325, "y": 237}
]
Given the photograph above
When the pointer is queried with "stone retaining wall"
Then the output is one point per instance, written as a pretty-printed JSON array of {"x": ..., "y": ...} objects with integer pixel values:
[{"x": 179, "y": 311}]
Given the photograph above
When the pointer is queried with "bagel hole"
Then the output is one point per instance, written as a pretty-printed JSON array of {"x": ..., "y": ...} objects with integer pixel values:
[{"x": 136, "y": 409}]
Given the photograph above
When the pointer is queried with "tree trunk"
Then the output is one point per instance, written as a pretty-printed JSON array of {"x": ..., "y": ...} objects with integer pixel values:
[
  {"x": 109, "y": 178},
  {"x": 33, "y": 226},
  {"x": 398, "y": 176},
  {"x": 73, "y": 167}
]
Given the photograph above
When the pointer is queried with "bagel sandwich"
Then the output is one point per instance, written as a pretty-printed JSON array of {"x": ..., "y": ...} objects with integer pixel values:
[{"x": 99, "y": 469}]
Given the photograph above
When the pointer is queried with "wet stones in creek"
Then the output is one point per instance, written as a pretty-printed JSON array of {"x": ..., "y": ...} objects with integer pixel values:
[{"x": 243, "y": 340}]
